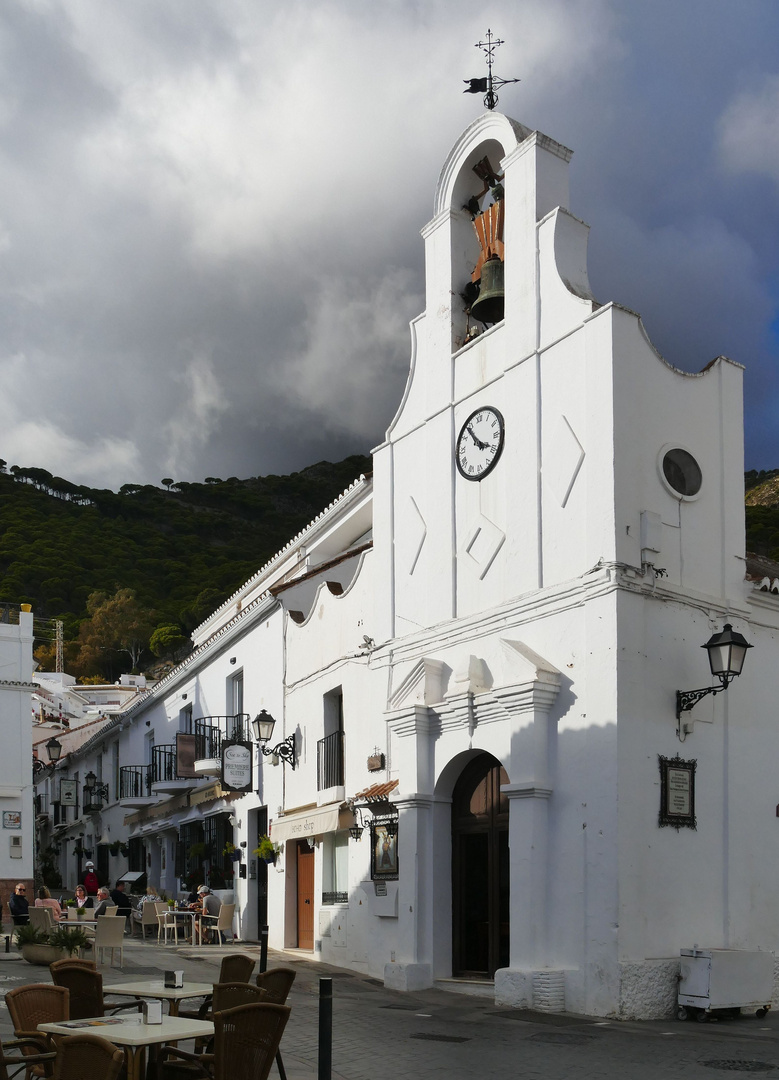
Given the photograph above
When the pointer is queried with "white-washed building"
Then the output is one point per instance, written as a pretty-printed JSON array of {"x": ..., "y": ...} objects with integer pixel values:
[
  {"x": 16, "y": 788},
  {"x": 476, "y": 653}
]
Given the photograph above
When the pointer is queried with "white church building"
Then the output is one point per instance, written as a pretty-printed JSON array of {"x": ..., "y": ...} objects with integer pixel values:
[{"x": 474, "y": 655}]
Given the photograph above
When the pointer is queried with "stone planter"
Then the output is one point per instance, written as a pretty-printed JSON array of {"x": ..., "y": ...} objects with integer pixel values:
[{"x": 42, "y": 954}]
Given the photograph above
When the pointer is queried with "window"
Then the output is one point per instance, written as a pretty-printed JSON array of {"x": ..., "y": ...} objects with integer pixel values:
[
  {"x": 682, "y": 472},
  {"x": 335, "y": 884},
  {"x": 235, "y": 695}
]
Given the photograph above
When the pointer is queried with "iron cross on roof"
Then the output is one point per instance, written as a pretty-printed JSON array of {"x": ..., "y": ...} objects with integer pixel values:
[{"x": 492, "y": 83}]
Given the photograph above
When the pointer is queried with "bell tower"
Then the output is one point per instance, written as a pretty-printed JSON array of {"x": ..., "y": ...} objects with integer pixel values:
[{"x": 505, "y": 269}]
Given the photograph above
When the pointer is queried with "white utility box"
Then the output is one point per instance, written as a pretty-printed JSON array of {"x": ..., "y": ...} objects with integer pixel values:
[{"x": 732, "y": 979}]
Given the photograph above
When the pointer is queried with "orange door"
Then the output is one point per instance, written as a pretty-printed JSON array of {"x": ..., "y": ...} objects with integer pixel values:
[{"x": 305, "y": 896}]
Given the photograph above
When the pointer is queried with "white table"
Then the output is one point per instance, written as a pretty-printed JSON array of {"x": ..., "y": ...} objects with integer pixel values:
[
  {"x": 157, "y": 989},
  {"x": 133, "y": 1035}
]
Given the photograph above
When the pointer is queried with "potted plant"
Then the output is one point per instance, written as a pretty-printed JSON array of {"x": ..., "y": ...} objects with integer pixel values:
[
  {"x": 267, "y": 850},
  {"x": 68, "y": 941},
  {"x": 34, "y": 946},
  {"x": 232, "y": 852}
]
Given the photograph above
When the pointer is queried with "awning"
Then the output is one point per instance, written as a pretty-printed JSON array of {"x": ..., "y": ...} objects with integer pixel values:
[{"x": 313, "y": 822}]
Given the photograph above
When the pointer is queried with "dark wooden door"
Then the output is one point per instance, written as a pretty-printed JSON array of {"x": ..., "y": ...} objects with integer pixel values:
[
  {"x": 480, "y": 870},
  {"x": 305, "y": 895}
]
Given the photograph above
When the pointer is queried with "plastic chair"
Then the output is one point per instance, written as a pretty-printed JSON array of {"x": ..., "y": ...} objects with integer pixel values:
[
  {"x": 246, "y": 1040},
  {"x": 149, "y": 911},
  {"x": 41, "y": 918},
  {"x": 87, "y": 1057},
  {"x": 28, "y": 1006},
  {"x": 26, "y": 1061},
  {"x": 85, "y": 984},
  {"x": 218, "y": 924},
  {"x": 109, "y": 934}
]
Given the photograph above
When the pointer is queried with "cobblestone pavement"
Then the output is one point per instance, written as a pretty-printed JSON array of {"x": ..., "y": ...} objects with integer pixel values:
[{"x": 380, "y": 1034}]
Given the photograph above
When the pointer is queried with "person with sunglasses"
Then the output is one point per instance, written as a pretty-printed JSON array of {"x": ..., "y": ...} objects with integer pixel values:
[{"x": 18, "y": 905}]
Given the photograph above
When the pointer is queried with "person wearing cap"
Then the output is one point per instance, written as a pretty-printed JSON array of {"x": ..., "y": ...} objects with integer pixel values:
[
  {"x": 207, "y": 904},
  {"x": 89, "y": 879},
  {"x": 18, "y": 905}
]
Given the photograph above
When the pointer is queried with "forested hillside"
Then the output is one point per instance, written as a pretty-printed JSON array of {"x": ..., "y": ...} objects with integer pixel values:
[{"x": 179, "y": 550}]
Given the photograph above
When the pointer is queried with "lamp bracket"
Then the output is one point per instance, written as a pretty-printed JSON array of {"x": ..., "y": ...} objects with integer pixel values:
[{"x": 284, "y": 750}]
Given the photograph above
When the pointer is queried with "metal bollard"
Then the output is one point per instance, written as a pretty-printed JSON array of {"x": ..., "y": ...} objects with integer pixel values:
[
  {"x": 264, "y": 948},
  {"x": 325, "y": 1029}
]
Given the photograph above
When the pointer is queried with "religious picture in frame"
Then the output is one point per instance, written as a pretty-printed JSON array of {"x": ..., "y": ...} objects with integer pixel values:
[
  {"x": 677, "y": 793},
  {"x": 384, "y": 854}
]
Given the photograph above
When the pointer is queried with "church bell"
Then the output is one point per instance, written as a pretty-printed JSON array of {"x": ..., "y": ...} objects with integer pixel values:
[{"x": 488, "y": 306}]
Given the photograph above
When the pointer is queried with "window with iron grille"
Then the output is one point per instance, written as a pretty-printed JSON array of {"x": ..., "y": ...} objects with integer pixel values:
[{"x": 335, "y": 868}]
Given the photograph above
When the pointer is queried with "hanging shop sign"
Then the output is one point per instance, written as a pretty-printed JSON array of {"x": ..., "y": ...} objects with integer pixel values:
[
  {"x": 237, "y": 766},
  {"x": 185, "y": 756},
  {"x": 68, "y": 792}
]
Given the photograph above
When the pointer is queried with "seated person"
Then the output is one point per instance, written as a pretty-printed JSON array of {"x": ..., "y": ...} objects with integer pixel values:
[
  {"x": 18, "y": 905},
  {"x": 104, "y": 901},
  {"x": 81, "y": 898},
  {"x": 45, "y": 899},
  {"x": 209, "y": 905},
  {"x": 150, "y": 897},
  {"x": 121, "y": 899}
]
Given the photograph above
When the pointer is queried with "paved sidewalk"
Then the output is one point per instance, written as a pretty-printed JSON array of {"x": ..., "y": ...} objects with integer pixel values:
[{"x": 380, "y": 1034}]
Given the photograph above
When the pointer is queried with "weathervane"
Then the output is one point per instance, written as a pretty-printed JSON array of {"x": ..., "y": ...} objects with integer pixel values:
[{"x": 492, "y": 83}]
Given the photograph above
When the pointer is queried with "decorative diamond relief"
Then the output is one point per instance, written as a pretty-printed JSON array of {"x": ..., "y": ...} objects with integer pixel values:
[
  {"x": 483, "y": 543},
  {"x": 563, "y": 460},
  {"x": 416, "y": 535}
]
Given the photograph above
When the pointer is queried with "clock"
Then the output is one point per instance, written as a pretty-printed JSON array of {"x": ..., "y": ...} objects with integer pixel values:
[{"x": 480, "y": 443}]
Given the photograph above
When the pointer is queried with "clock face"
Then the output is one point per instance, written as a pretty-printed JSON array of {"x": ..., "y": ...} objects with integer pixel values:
[{"x": 480, "y": 443}]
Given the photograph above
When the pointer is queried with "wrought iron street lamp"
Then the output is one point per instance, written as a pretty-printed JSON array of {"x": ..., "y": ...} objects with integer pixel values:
[
  {"x": 727, "y": 651},
  {"x": 94, "y": 794},
  {"x": 262, "y": 726},
  {"x": 53, "y": 752}
]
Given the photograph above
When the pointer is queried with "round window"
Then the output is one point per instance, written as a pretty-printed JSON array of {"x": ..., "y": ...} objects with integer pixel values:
[{"x": 682, "y": 472}]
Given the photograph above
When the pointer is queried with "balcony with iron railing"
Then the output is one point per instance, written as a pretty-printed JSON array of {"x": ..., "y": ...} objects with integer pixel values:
[
  {"x": 135, "y": 789},
  {"x": 165, "y": 779},
  {"x": 330, "y": 768},
  {"x": 211, "y": 732}
]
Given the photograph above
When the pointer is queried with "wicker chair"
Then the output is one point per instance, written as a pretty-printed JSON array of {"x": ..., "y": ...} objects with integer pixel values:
[
  {"x": 245, "y": 1043},
  {"x": 30, "y": 1056},
  {"x": 109, "y": 934},
  {"x": 85, "y": 984},
  {"x": 237, "y": 967},
  {"x": 234, "y": 969},
  {"x": 277, "y": 983},
  {"x": 28, "y": 1006},
  {"x": 87, "y": 1057}
]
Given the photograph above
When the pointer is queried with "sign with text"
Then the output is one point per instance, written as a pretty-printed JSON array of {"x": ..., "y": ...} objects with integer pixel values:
[
  {"x": 12, "y": 819},
  {"x": 237, "y": 766},
  {"x": 677, "y": 793}
]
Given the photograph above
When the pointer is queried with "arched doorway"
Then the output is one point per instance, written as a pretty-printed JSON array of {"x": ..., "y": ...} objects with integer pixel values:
[{"x": 480, "y": 870}]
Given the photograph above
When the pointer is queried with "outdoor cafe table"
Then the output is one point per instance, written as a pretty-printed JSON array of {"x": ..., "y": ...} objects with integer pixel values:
[
  {"x": 157, "y": 989},
  {"x": 133, "y": 1035},
  {"x": 173, "y": 918}
]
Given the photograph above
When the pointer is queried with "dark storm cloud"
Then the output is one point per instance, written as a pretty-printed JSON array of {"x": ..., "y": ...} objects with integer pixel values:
[{"x": 209, "y": 233}]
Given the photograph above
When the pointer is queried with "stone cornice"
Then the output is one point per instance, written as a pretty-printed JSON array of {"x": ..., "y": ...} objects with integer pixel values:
[
  {"x": 527, "y": 790},
  {"x": 15, "y": 684}
]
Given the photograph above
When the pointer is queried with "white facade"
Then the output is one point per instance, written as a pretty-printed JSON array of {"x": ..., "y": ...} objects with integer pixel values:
[
  {"x": 16, "y": 790},
  {"x": 523, "y": 634}
]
